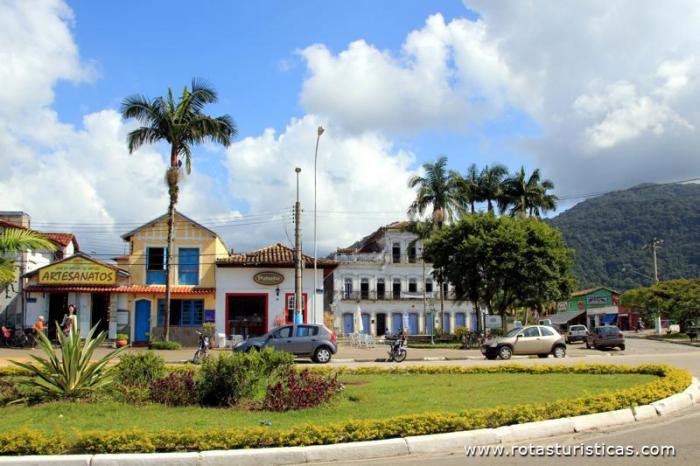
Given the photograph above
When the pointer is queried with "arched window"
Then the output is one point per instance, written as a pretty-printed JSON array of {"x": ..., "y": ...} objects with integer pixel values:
[
  {"x": 347, "y": 290},
  {"x": 412, "y": 285},
  {"x": 396, "y": 289},
  {"x": 381, "y": 288},
  {"x": 364, "y": 288}
]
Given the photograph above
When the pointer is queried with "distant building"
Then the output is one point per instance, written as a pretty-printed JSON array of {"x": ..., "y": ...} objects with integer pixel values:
[
  {"x": 13, "y": 305},
  {"x": 600, "y": 306},
  {"x": 384, "y": 276}
]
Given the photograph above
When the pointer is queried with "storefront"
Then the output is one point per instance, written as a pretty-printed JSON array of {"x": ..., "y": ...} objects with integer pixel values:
[
  {"x": 95, "y": 288},
  {"x": 601, "y": 306},
  {"x": 255, "y": 291}
]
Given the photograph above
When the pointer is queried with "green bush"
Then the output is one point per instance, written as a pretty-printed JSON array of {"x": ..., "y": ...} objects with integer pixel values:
[
  {"x": 139, "y": 369},
  {"x": 122, "y": 336},
  {"x": 164, "y": 345},
  {"x": 270, "y": 362},
  {"x": 226, "y": 379},
  {"x": 8, "y": 392},
  {"x": 670, "y": 381}
]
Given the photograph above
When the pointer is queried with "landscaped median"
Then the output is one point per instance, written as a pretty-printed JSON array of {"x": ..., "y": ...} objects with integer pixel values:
[{"x": 432, "y": 400}]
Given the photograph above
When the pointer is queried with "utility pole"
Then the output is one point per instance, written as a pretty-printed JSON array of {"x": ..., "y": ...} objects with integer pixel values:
[
  {"x": 653, "y": 245},
  {"x": 298, "y": 297}
]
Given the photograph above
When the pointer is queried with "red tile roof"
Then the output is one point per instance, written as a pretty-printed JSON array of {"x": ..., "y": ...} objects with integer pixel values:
[
  {"x": 62, "y": 239},
  {"x": 277, "y": 255},
  {"x": 155, "y": 289},
  {"x": 591, "y": 290},
  {"x": 6, "y": 224}
]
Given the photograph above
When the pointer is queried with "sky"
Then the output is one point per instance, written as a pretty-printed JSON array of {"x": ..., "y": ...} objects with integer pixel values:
[{"x": 599, "y": 95}]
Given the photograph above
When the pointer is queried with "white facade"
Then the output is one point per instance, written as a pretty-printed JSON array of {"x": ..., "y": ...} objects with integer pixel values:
[
  {"x": 237, "y": 282},
  {"x": 386, "y": 278}
]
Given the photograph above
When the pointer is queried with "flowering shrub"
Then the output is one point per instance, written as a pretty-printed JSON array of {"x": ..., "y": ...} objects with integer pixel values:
[
  {"x": 8, "y": 392},
  {"x": 300, "y": 390},
  {"x": 176, "y": 389}
]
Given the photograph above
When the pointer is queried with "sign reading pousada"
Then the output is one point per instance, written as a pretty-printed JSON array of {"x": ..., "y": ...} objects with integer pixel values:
[
  {"x": 268, "y": 278},
  {"x": 77, "y": 271}
]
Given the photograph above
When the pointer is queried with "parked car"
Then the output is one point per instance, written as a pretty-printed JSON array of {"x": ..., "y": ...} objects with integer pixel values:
[
  {"x": 533, "y": 339},
  {"x": 308, "y": 340},
  {"x": 576, "y": 333},
  {"x": 547, "y": 322},
  {"x": 606, "y": 336}
]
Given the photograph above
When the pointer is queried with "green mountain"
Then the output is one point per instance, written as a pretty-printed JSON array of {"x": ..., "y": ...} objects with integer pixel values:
[{"x": 608, "y": 234}]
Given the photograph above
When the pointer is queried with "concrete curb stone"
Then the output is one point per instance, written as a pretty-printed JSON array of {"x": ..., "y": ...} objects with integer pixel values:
[
  {"x": 539, "y": 429},
  {"x": 673, "y": 403},
  {"x": 451, "y": 441},
  {"x": 67, "y": 460},
  {"x": 642, "y": 413},
  {"x": 357, "y": 450},
  {"x": 602, "y": 420},
  {"x": 146, "y": 459},
  {"x": 694, "y": 390},
  {"x": 253, "y": 457}
]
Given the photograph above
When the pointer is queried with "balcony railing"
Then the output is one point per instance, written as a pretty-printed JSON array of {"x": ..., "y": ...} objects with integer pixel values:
[
  {"x": 372, "y": 295},
  {"x": 379, "y": 258}
]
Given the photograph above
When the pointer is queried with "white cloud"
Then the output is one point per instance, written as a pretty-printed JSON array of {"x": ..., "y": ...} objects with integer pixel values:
[{"x": 358, "y": 176}]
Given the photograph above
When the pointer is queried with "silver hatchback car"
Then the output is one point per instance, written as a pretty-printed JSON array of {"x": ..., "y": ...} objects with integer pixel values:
[
  {"x": 310, "y": 340},
  {"x": 541, "y": 340}
]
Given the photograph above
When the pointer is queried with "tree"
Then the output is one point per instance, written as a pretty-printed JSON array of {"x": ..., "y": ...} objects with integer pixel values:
[
  {"x": 679, "y": 299},
  {"x": 491, "y": 184},
  {"x": 182, "y": 124},
  {"x": 502, "y": 263},
  {"x": 14, "y": 241},
  {"x": 523, "y": 196},
  {"x": 437, "y": 190},
  {"x": 468, "y": 187}
]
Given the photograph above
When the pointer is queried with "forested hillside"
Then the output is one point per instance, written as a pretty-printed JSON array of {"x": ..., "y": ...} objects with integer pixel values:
[{"x": 609, "y": 232}]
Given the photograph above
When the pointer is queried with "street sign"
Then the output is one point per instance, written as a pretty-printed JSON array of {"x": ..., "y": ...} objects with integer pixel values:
[{"x": 493, "y": 321}]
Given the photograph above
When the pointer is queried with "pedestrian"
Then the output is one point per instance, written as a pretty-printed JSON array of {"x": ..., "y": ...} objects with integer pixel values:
[{"x": 67, "y": 322}]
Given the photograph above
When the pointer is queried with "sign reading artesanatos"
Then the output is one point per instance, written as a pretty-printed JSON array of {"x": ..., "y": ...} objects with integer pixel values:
[
  {"x": 77, "y": 271},
  {"x": 268, "y": 278}
]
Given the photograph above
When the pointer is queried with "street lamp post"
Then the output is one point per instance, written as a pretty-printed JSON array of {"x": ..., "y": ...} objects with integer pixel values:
[{"x": 319, "y": 132}]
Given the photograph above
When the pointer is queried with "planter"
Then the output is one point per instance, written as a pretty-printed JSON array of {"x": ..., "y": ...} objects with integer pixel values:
[{"x": 122, "y": 343}]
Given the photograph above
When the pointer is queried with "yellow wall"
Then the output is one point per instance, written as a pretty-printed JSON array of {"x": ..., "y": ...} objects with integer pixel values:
[
  {"x": 209, "y": 302},
  {"x": 185, "y": 234}
]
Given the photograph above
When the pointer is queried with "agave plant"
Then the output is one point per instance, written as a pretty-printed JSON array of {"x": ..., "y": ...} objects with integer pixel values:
[{"x": 73, "y": 374}]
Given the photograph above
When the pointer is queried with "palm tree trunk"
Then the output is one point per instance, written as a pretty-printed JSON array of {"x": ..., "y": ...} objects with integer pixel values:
[
  {"x": 472, "y": 206},
  {"x": 171, "y": 221},
  {"x": 490, "y": 206}
]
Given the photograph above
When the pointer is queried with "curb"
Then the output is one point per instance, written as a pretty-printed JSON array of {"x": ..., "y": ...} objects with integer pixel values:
[{"x": 375, "y": 449}]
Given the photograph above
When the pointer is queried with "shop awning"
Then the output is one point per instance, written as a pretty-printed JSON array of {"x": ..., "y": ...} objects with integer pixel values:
[
  {"x": 562, "y": 318},
  {"x": 155, "y": 289},
  {"x": 609, "y": 319}
]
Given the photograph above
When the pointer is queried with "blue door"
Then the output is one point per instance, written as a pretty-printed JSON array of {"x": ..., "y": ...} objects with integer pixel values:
[
  {"x": 475, "y": 321},
  {"x": 460, "y": 320},
  {"x": 365, "y": 323},
  {"x": 396, "y": 323},
  {"x": 428, "y": 324},
  {"x": 143, "y": 320},
  {"x": 446, "y": 323},
  {"x": 348, "y": 327},
  {"x": 413, "y": 323}
]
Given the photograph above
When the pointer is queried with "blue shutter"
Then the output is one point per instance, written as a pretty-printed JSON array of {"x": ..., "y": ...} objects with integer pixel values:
[
  {"x": 186, "y": 313},
  {"x": 198, "y": 312},
  {"x": 155, "y": 276},
  {"x": 188, "y": 266}
]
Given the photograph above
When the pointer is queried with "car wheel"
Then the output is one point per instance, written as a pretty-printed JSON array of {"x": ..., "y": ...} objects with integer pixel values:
[
  {"x": 542, "y": 356},
  {"x": 622, "y": 347},
  {"x": 559, "y": 351},
  {"x": 322, "y": 355},
  {"x": 505, "y": 352}
]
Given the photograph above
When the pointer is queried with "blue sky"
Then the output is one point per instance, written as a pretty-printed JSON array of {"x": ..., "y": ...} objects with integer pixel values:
[
  {"x": 248, "y": 51},
  {"x": 395, "y": 83}
]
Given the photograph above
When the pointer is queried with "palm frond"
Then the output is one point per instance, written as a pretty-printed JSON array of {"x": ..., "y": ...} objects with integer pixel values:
[{"x": 14, "y": 240}]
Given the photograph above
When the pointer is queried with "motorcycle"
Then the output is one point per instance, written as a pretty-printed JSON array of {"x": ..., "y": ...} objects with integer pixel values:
[
  {"x": 397, "y": 350},
  {"x": 203, "y": 349}
]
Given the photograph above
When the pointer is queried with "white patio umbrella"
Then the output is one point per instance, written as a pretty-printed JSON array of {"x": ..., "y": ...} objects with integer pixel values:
[{"x": 359, "y": 328}]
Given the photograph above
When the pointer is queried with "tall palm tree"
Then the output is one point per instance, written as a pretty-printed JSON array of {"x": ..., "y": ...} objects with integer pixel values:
[
  {"x": 437, "y": 190},
  {"x": 544, "y": 201},
  {"x": 14, "y": 241},
  {"x": 182, "y": 124},
  {"x": 520, "y": 193},
  {"x": 468, "y": 187},
  {"x": 491, "y": 184}
]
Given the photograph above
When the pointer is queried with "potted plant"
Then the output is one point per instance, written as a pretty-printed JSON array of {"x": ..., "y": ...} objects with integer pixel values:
[{"x": 122, "y": 340}]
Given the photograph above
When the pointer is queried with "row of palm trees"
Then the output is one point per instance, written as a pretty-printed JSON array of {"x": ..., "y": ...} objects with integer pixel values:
[{"x": 451, "y": 194}]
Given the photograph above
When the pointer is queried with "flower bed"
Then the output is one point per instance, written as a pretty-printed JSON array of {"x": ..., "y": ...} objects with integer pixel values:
[{"x": 669, "y": 381}]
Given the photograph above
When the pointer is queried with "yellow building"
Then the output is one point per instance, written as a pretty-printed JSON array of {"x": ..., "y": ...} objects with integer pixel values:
[{"x": 192, "y": 278}]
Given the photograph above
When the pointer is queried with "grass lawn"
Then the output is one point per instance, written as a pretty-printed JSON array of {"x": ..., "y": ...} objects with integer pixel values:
[{"x": 364, "y": 397}]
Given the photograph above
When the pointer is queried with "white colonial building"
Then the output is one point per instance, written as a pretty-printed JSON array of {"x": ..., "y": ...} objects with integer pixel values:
[{"x": 382, "y": 284}]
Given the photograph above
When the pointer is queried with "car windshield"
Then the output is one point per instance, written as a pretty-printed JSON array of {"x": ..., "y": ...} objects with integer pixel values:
[{"x": 513, "y": 332}]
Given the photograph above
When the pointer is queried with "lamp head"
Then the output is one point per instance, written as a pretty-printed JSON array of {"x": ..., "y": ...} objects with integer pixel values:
[{"x": 320, "y": 130}]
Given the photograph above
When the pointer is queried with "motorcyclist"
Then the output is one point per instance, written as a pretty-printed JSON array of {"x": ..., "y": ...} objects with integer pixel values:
[{"x": 400, "y": 341}]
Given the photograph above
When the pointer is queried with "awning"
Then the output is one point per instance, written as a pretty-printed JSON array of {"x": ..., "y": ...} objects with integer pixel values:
[
  {"x": 561, "y": 318},
  {"x": 609, "y": 319}
]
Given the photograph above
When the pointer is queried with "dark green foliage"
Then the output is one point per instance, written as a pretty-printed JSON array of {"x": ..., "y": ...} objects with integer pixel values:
[
  {"x": 678, "y": 299},
  {"x": 607, "y": 234},
  {"x": 139, "y": 369},
  {"x": 176, "y": 389}
]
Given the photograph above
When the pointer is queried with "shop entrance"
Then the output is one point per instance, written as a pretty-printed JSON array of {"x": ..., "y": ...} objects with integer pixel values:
[
  {"x": 58, "y": 307},
  {"x": 246, "y": 314},
  {"x": 99, "y": 314},
  {"x": 381, "y": 324}
]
